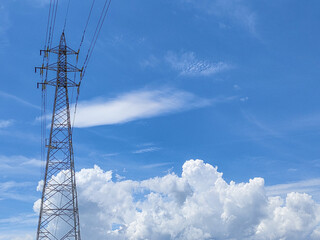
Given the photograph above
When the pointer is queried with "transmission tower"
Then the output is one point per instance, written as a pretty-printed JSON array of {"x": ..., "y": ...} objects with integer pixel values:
[{"x": 59, "y": 215}]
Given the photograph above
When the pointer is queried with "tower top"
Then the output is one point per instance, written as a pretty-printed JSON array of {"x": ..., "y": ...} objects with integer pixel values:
[{"x": 63, "y": 40}]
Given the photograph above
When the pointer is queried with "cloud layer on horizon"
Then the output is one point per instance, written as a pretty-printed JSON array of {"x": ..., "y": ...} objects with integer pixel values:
[{"x": 197, "y": 205}]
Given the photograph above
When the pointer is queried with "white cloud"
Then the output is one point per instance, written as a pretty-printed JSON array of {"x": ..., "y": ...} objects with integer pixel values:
[
  {"x": 155, "y": 165},
  {"x": 16, "y": 236},
  {"x": 34, "y": 162},
  {"x": 25, "y": 219},
  {"x": 14, "y": 161},
  {"x": 4, "y": 26},
  {"x": 12, "y": 190},
  {"x": 5, "y": 123},
  {"x": 304, "y": 122},
  {"x": 261, "y": 129},
  {"x": 236, "y": 87},
  {"x": 188, "y": 65},
  {"x": 311, "y": 186},
  {"x": 295, "y": 219},
  {"x": 135, "y": 105},
  {"x": 39, "y": 3},
  {"x": 20, "y": 227},
  {"x": 17, "y": 99},
  {"x": 197, "y": 205},
  {"x": 238, "y": 11},
  {"x": 146, "y": 150},
  {"x": 151, "y": 61},
  {"x": 17, "y": 165},
  {"x": 244, "y": 99}
]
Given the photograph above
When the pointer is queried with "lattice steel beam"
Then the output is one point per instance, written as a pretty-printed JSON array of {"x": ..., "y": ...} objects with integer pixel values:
[{"x": 59, "y": 213}]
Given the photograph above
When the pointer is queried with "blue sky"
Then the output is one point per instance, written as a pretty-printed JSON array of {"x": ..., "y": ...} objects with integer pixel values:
[{"x": 234, "y": 83}]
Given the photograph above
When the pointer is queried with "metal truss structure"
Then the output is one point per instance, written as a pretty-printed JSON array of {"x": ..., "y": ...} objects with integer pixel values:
[{"x": 59, "y": 215}]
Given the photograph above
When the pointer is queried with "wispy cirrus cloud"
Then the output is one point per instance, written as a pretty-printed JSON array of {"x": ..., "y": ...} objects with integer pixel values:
[
  {"x": 17, "y": 99},
  {"x": 136, "y": 105},
  {"x": 14, "y": 234},
  {"x": 310, "y": 186},
  {"x": 39, "y": 3},
  {"x": 18, "y": 227},
  {"x": 151, "y": 61},
  {"x": 4, "y": 25},
  {"x": 188, "y": 65},
  {"x": 156, "y": 165},
  {"x": 146, "y": 150},
  {"x": 236, "y": 11},
  {"x": 309, "y": 121},
  {"x": 12, "y": 190},
  {"x": 17, "y": 164},
  {"x": 5, "y": 123}
]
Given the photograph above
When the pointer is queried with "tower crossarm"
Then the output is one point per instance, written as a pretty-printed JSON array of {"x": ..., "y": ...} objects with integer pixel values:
[
  {"x": 55, "y": 67},
  {"x": 56, "y": 50},
  {"x": 53, "y": 82}
]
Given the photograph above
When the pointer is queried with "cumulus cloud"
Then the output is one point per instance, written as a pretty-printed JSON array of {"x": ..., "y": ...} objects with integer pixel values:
[
  {"x": 135, "y": 105},
  {"x": 197, "y": 205},
  {"x": 188, "y": 65}
]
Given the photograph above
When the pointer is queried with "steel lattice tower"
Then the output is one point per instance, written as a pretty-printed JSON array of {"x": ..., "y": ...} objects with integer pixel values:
[{"x": 59, "y": 216}]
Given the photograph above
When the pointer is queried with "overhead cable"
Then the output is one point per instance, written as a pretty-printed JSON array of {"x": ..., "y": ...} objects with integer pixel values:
[
  {"x": 86, "y": 26},
  {"x": 91, "y": 46},
  {"x": 96, "y": 35}
]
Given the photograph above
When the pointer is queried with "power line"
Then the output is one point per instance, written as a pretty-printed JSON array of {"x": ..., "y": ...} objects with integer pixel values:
[
  {"x": 48, "y": 40},
  {"x": 54, "y": 21},
  {"x": 96, "y": 35},
  {"x": 60, "y": 150},
  {"x": 85, "y": 28},
  {"x": 65, "y": 19},
  {"x": 91, "y": 46}
]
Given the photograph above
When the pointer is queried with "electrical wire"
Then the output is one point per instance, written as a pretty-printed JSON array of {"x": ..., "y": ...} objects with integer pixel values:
[
  {"x": 65, "y": 19},
  {"x": 86, "y": 26},
  {"x": 49, "y": 38},
  {"x": 91, "y": 46},
  {"x": 96, "y": 35},
  {"x": 45, "y": 61},
  {"x": 54, "y": 22}
]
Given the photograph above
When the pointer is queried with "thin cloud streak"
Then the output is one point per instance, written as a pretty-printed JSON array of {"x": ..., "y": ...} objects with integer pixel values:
[
  {"x": 17, "y": 99},
  {"x": 310, "y": 186},
  {"x": 17, "y": 165},
  {"x": 136, "y": 105},
  {"x": 12, "y": 190},
  {"x": 4, "y": 26},
  {"x": 156, "y": 165},
  {"x": 237, "y": 11},
  {"x": 5, "y": 123},
  {"x": 146, "y": 150}
]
